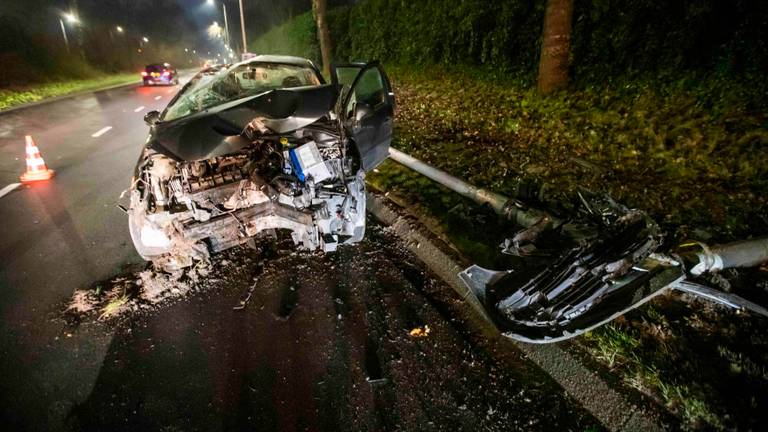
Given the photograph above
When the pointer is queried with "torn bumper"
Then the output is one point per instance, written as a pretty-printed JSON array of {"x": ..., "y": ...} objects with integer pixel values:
[
  {"x": 587, "y": 303},
  {"x": 231, "y": 229}
]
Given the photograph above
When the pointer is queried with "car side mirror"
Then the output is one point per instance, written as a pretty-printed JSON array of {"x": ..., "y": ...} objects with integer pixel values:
[
  {"x": 152, "y": 117},
  {"x": 362, "y": 110}
]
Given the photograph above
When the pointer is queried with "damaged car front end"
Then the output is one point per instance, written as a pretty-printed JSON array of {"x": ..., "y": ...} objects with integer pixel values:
[{"x": 255, "y": 147}]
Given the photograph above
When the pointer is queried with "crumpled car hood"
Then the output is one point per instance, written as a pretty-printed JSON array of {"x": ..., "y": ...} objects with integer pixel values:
[{"x": 217, "y": 131}]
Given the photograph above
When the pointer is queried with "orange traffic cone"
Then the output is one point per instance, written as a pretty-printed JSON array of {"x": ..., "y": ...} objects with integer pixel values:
[{"x": 36, "y": 169}]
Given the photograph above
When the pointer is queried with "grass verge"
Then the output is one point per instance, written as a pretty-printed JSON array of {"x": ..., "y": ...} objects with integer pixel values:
[
  {"x": 692, "y": 152},
  {"x": 11, "y": 97}
]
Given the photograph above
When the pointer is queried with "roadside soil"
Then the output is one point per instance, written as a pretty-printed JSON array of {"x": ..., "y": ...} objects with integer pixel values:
[{"x": 362, "y": 339}]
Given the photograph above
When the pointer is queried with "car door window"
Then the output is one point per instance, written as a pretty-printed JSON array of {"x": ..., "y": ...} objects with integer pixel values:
[
  {"x": 366, "y": 106},
  {"x": 369, "y": 89},
  {"x": 345, "y": 75}
]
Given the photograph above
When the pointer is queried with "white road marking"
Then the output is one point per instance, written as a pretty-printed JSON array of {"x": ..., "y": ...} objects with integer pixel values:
[
  {"x": 4, "y": 191},
  {"x": 101, "y": 132},
  {"x": 157, "y": 97},
  {"x": 139, "y": 109}
]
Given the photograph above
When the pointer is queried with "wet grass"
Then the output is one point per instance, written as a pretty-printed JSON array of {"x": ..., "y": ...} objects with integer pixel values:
[
  {"x": 10, "y": 97},
  {"x": 690, "y": 151},
  {"x": 619, "y": 348}
]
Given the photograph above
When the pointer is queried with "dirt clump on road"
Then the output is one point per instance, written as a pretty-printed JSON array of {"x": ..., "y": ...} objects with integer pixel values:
[{"x": 146, "y": 289}]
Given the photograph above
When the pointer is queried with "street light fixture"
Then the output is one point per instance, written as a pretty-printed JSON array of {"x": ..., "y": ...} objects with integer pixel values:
[
  {"x": 71, "y": 18},
  {"x": 145, "y": 39},
  {"x": 226, "y": 23},
  {"x": 119, "y": 29}
]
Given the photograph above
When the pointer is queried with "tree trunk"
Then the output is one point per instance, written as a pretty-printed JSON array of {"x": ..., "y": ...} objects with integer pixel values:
[
  {"x": 555, "y": 45},
  {"x": 323, "y": 34}
]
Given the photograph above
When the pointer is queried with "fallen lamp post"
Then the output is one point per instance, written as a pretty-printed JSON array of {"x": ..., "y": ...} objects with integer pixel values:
[{"x": 608, "y": 263}]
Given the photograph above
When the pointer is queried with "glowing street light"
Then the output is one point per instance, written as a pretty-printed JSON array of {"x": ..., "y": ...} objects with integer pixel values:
[
  {"x": 71, "y": 19},
  {"x": 145, "y": 39},
  {"x": 214, "y": 30},
  {"x": 119, "y": 29},
  {"x": 226, "y": 24},
  {"x": 224, "y": 12}
]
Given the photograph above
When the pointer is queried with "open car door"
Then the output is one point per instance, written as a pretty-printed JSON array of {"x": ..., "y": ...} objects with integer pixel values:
[{"x": 367, "y": 107}]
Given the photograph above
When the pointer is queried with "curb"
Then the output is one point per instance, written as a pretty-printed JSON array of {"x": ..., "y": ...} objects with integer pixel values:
[
  {"x": 612, "y": 408},
  {"x": 64, "y": 96},
  {"x": 75, "y": 94}
]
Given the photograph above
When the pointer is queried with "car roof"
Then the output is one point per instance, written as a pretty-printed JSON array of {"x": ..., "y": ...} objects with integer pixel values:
[{"x": 284, "y": 59}]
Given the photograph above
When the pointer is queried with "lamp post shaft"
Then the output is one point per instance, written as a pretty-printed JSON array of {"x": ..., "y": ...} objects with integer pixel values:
[
  {"x": 242, "y": 26},
  {"x": 64, "y": 33},
  {"x": 226, "y": 23}
]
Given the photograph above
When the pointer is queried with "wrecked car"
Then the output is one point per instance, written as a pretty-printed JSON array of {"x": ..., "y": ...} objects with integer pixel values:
[{"x": 247, "y": 149}]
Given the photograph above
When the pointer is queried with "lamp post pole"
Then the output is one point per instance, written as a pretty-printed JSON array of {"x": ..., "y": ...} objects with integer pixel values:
[
  {"x": 242, "y": 26},
  {"x": 226, "y": 23},
  {"x": 64, "y": 33}
]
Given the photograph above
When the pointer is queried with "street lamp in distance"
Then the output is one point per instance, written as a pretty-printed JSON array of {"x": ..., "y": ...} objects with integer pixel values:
[{"x": 119, "y": 29}]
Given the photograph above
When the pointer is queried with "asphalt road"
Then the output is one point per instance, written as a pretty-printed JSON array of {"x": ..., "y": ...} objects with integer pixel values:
[
  {"x": 60, "y": 235},
  {"x": 323, "y": 345}
]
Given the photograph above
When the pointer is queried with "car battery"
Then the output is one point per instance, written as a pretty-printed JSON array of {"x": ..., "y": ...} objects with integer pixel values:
[{"x": 307, "y": 162}]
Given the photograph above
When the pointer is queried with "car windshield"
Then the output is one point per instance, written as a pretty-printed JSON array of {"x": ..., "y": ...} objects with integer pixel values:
[
  {"x": 213, "y": 87},
  {"x": 157, "y": 67}
]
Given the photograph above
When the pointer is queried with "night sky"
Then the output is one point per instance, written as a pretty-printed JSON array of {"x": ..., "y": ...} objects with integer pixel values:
[{"x": 168, "y": 21}]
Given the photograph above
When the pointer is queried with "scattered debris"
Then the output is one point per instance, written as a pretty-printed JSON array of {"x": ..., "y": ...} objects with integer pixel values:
[
  {"x": 114, "y": 307},
  {"x": 146, "y": 288},
  {"x": 246, "y": 296},
  {"x": 422, "y": 331},
  {"x": 82, "y": 302}
]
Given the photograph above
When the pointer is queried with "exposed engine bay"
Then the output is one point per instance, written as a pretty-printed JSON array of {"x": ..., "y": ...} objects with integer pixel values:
[
  {"x": 258, "y": 147},
  {"x": 305, "y": 181}
]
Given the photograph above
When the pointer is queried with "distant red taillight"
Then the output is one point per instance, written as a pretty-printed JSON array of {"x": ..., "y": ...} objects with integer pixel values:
[{"x": 143, "y": 74}]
